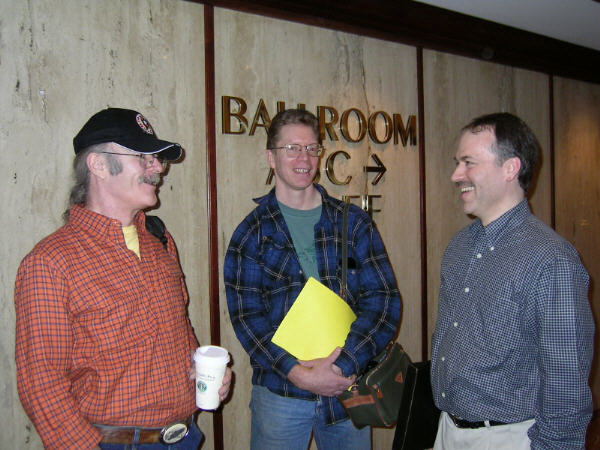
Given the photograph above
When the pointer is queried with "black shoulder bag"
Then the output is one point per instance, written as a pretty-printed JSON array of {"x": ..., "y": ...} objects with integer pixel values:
[{"x": 156, "y": 226}]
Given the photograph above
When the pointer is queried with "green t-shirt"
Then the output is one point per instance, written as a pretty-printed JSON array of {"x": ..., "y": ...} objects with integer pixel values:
[{"x": 301, "y": 224}]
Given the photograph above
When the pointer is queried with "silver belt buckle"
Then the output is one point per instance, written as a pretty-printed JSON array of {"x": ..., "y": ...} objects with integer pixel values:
[{"x": 172, "y": 434}]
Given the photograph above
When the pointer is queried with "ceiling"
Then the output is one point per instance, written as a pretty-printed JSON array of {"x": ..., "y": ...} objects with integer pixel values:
[{"x": 574, "y": 21}]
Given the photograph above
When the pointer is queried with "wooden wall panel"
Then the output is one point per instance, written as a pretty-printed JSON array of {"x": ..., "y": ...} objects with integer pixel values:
[
  {"x": 456, "y": 90},
  {"x": 577, "y": 119},
  {"x": 61, "y": 61},
  {"x": 260, "y": 58}
]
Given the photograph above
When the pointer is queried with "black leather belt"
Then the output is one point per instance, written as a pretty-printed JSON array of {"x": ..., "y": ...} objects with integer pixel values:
[{"x": 461, "y": 423}]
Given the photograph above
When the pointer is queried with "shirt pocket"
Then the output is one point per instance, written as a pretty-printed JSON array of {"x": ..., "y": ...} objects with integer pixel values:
[
  {"x": 114, "y": 319},
  {"x": 282, "y": 278},
  {"x": 278, "y": 263},
  {"x": 502, "y": 316},
  {"x": 169, "y": 286}
]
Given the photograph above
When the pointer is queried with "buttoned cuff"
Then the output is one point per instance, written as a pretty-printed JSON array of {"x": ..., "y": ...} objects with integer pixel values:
[
  {"x": 284, "y": 364},
  {"x": 347, "y": 363}
]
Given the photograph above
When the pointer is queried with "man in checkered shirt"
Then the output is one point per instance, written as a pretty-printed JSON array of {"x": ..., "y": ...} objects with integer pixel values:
[
  {"x": 103, "y": 339},
  {"x": 512, "y": 348}
]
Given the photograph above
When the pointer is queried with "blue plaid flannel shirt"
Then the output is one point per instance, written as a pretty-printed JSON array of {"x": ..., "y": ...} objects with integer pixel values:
[
  {"x": 263, "y": 277},
  {"x": 514, "y": 337}
]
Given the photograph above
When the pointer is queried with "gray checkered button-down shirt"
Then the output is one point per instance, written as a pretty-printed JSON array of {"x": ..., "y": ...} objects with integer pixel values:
[{"x": 514, "y": 337}]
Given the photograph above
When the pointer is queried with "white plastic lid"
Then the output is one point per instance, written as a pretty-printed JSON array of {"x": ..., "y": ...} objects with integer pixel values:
[{"x": 211, "y": 354}]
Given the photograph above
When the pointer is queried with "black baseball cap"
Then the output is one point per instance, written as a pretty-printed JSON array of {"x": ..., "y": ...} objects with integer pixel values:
[{"x": 127, "y": 128}]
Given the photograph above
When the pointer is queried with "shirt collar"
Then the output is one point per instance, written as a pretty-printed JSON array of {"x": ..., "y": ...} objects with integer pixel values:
[
  {"x": 100, "y": 224},
  {"x": 274, "y": 221},
  {"x": 507, "y": 221},
  {"x": 271, "y": 200}
]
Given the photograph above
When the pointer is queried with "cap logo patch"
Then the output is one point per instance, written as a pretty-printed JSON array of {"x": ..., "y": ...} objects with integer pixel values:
[{"x": 144, "y": 124}]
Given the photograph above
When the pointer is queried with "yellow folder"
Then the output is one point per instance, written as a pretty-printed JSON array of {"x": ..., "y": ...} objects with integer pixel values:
[{"x": 317, "y": 323}]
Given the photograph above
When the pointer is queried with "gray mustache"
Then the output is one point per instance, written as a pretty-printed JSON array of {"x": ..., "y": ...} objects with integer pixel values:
[{"x": 151, "y": 179}]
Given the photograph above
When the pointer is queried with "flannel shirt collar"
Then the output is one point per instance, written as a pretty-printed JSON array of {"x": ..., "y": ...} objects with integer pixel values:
[
  {"x": 102, "y": 226},
  {"x": 330, "y": 208}
]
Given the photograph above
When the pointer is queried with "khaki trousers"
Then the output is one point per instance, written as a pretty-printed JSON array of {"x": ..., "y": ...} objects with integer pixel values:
[{"x": 500, "y": 437}]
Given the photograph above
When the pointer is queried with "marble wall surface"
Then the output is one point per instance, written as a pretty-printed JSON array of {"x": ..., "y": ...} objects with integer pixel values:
[{"x": 61, "y": 61}]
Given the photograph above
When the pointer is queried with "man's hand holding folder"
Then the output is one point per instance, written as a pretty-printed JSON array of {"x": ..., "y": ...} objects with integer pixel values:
[
  {"x": 313, "y": 330},
  {"x": 321, "y": 376}
]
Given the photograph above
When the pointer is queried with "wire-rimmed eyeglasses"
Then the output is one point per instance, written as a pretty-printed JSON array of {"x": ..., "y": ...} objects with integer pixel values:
[
  {"x": 146, "y": 160},
  {"x": 293, "y": 150}
]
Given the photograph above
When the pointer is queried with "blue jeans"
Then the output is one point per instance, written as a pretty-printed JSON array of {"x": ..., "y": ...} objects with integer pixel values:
[
  {"x": 283, "y": 423},
  {"x": 191, "y": 442}
]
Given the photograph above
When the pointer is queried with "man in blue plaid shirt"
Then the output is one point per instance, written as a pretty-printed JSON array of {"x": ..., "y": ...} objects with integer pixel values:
[
  {"x": 513, "y": 343},
  {"x": 295, "y": 233}
]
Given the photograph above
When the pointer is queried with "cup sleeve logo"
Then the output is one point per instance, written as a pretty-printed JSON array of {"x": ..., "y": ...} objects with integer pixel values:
[{"x": 144, "y": 124}]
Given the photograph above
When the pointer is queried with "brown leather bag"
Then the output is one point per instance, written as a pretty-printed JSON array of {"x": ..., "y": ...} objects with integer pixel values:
[{"x": 375, "y": 398}]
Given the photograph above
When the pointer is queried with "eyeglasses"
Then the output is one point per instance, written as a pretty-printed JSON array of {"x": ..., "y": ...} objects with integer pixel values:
[
  {"x": 146, "y": 160},
  {"x": 294, "y": 150}
]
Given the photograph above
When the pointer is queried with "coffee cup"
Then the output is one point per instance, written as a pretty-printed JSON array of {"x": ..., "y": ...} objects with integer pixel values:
[{"x": 211, "y": 362}]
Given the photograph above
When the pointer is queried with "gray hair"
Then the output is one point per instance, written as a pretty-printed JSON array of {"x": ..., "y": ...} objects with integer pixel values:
[{"x": 81, "y": 173}]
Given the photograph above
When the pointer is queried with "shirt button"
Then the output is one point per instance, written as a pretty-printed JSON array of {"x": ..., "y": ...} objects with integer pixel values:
[
  {"x": 443, "y": 358},
  {"x": 492, "y": 248},
  {"x": 467, "y": 289},
  {"x": 455, "y": 324},
  {"x": 478, "y": 255},
  {"x": 443, "y": 394}
]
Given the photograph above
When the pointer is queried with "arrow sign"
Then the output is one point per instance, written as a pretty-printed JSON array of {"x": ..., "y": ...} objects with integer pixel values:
[{"x": 380, "y": 169}]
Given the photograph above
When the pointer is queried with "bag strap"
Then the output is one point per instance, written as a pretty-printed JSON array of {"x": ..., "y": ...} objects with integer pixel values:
[
  {"x": 344, "y": 286},
  {"x": 157, "y": 227}
]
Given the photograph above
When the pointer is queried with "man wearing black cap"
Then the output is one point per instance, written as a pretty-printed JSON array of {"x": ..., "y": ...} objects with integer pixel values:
[{"x": 103, "y": 340}]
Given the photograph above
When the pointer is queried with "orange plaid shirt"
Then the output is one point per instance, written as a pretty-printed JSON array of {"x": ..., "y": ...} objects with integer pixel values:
[{"x": 102, "y": 336}]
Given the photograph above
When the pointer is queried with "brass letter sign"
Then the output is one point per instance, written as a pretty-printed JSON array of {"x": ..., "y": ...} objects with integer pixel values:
[{"x": 353, "y": 126}]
